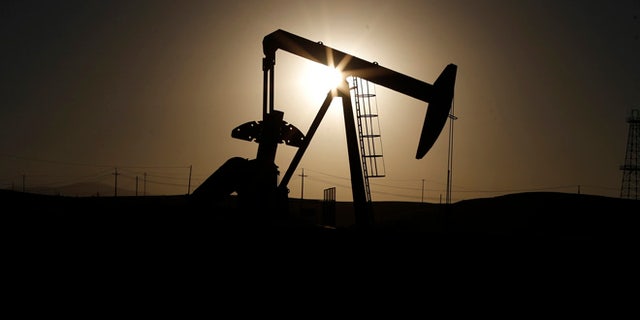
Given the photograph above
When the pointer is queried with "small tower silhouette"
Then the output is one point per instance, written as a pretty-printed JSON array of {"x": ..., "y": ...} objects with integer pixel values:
[{"x": 630, "y": 167}]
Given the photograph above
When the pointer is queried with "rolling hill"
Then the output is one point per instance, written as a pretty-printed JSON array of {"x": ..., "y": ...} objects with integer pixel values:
[{"x": 533, "y": 213}]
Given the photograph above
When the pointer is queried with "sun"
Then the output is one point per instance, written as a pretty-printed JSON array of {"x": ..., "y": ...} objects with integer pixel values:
[
  {"x": 318, "y": 79},
  {"x": 330, "y": 78}
]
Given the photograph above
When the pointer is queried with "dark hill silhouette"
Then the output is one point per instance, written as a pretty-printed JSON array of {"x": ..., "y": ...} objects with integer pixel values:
[
  {"x": 82, "y": 189},
  {"x": 533, "y": 213},
  {"x": 176, "y": 233}
]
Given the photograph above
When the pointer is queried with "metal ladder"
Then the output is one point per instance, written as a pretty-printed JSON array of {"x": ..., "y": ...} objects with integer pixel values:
[{"x": 367, "y": 121}]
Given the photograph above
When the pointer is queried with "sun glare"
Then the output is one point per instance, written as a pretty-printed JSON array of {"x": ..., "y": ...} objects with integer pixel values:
[
  {"x": 318, "y": 79},
  {"x": 331, "y": 77}
]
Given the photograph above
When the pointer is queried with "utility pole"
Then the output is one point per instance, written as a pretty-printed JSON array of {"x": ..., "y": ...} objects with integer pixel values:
[
  {"x": 189, "y": 185},
  {"x": 422, "y": 200},
  {"x": 115, "y": 189},
  {"x": 302, "y": 189},
  {"x": 450, "y": 156}
]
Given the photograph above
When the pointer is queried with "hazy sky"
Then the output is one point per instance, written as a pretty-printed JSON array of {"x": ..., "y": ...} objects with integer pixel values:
[{"x": 542, "y": 94}]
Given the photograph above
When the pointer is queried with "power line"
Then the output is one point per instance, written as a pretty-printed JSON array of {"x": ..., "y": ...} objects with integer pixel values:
[{"x": 165, "y": 178}]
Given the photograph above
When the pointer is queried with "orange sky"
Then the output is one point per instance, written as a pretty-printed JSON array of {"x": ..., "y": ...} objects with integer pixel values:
[{"x": 542, "y": 93}]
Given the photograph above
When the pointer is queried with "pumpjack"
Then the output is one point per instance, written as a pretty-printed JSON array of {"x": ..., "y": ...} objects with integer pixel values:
[{"x": 255, "y": 181}]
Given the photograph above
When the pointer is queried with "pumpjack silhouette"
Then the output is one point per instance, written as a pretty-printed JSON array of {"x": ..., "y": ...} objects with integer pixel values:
[{"x": 255, "y": 181}]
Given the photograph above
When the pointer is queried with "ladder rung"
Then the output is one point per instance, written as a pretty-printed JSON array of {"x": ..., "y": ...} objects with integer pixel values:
[
  {"x": 373, "y": 156},
  {"x": 370, "y": 115},
  {"x": 370, "y": 135},
  {"x": 376, "y": 176}
]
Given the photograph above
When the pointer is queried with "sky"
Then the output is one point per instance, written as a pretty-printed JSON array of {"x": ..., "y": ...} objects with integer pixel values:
[{"x": 152, "y": 90}]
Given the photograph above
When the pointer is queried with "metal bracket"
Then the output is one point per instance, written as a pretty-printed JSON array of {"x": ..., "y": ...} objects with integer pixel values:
[{"x": 252, "y": 130}]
